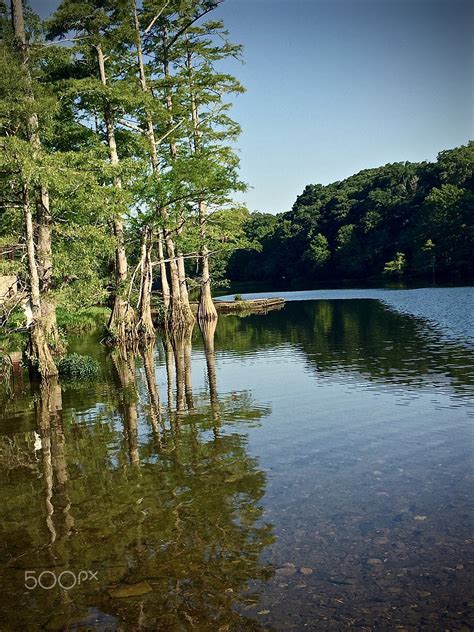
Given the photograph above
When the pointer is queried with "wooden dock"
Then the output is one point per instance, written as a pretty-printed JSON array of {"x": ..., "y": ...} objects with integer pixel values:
[
  {"x": 243, "y": 307},
  {"x": 251, "y": 306}
]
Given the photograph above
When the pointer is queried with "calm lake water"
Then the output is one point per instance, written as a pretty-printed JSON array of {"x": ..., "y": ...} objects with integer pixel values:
[{"x": 308, "y": 469}]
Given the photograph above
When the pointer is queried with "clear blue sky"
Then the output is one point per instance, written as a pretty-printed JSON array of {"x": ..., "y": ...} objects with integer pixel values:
[{"x": 336, "y": 86}]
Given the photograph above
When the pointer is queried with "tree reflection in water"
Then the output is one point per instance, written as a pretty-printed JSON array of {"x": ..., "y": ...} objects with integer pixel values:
[{"x": 165, "y": 505}]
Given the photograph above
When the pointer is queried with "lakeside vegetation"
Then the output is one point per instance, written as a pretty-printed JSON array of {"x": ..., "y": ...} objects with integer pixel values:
[
  {"x": 118, "y": 166},
  {"x": 401, "y": 220},
  {"x": 118, "y": 175},
  {"x": 299, "y": 461}
]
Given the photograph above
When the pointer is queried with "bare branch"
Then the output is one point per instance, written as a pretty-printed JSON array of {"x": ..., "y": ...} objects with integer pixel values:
[
  {"x": 189, "y": 24},
  {"x": 62, "y": 41},
  {"x": 192, "y": 255},
  {"x": 126, "y": 123},
  {"x": 170, "y": 131},
  {"x": 157, "y": 16}
]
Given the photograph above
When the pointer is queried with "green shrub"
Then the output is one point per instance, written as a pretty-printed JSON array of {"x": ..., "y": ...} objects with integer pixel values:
[
  {"x": 238, "y": 297},
  {"x": 78, "y": 366}
]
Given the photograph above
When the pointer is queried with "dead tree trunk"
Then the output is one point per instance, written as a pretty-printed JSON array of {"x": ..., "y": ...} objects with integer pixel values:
[{"x": 122, "y": 319}]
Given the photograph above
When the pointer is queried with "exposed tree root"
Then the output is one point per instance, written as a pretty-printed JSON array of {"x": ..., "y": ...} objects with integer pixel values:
[
  {"x": 122, "y": 323},
  {"x": 206, "y": 309}
]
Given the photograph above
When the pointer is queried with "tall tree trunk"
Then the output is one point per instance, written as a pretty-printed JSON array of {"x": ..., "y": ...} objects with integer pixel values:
[
  {"x": 206, "y": 309},
  {"x": 45, "y": 270},
  {"x": 183, "y": 287},
  {"x": 40, "y": 354},
  {"x": 179, "y": 315},
  {"x": 145, "y": 327},
  {"x": 165, "y": 287},
  {"x": 179, "y": 312},
  {"x": 186, "y": 315},
  {"x": 122, "y": 319}
]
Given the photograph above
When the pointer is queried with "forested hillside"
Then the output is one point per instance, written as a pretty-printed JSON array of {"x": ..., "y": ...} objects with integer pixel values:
[{"x": 402, "y": 220}]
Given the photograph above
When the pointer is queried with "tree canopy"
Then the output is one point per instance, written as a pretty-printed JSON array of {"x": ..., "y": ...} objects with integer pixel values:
[{"x": 402, "y": 219}]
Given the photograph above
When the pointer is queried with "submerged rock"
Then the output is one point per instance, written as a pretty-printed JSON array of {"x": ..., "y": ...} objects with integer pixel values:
[
  {"x": 286, "y": 570},
  {"x": 374, "y": 561}
]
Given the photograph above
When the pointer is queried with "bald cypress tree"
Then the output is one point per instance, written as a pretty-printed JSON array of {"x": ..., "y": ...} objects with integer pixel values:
[
  {"x": 100, "y": 32},
  {"x": 24, "y": 147},
  {"x": 200, "y": 151},
  {"x": 212, "y": 132}
]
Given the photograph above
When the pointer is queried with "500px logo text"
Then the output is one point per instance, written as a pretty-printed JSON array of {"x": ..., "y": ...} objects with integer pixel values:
[{"x": 66, "y": 579}]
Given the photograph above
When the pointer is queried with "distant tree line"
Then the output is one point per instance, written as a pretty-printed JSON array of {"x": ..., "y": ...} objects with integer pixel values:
[{"x": 400, "y": 220}]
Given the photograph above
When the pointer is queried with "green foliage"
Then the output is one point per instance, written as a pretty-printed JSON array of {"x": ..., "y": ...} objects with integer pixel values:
[
  {"x": 358, "y": 228},
  {"x": 82, "y": 320},
  {"x": 80, "y": 104},
  {"x": 77, "y": 366},
  {"x": 318, "y": 251},
  {"x": 396, "y": 266}
]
